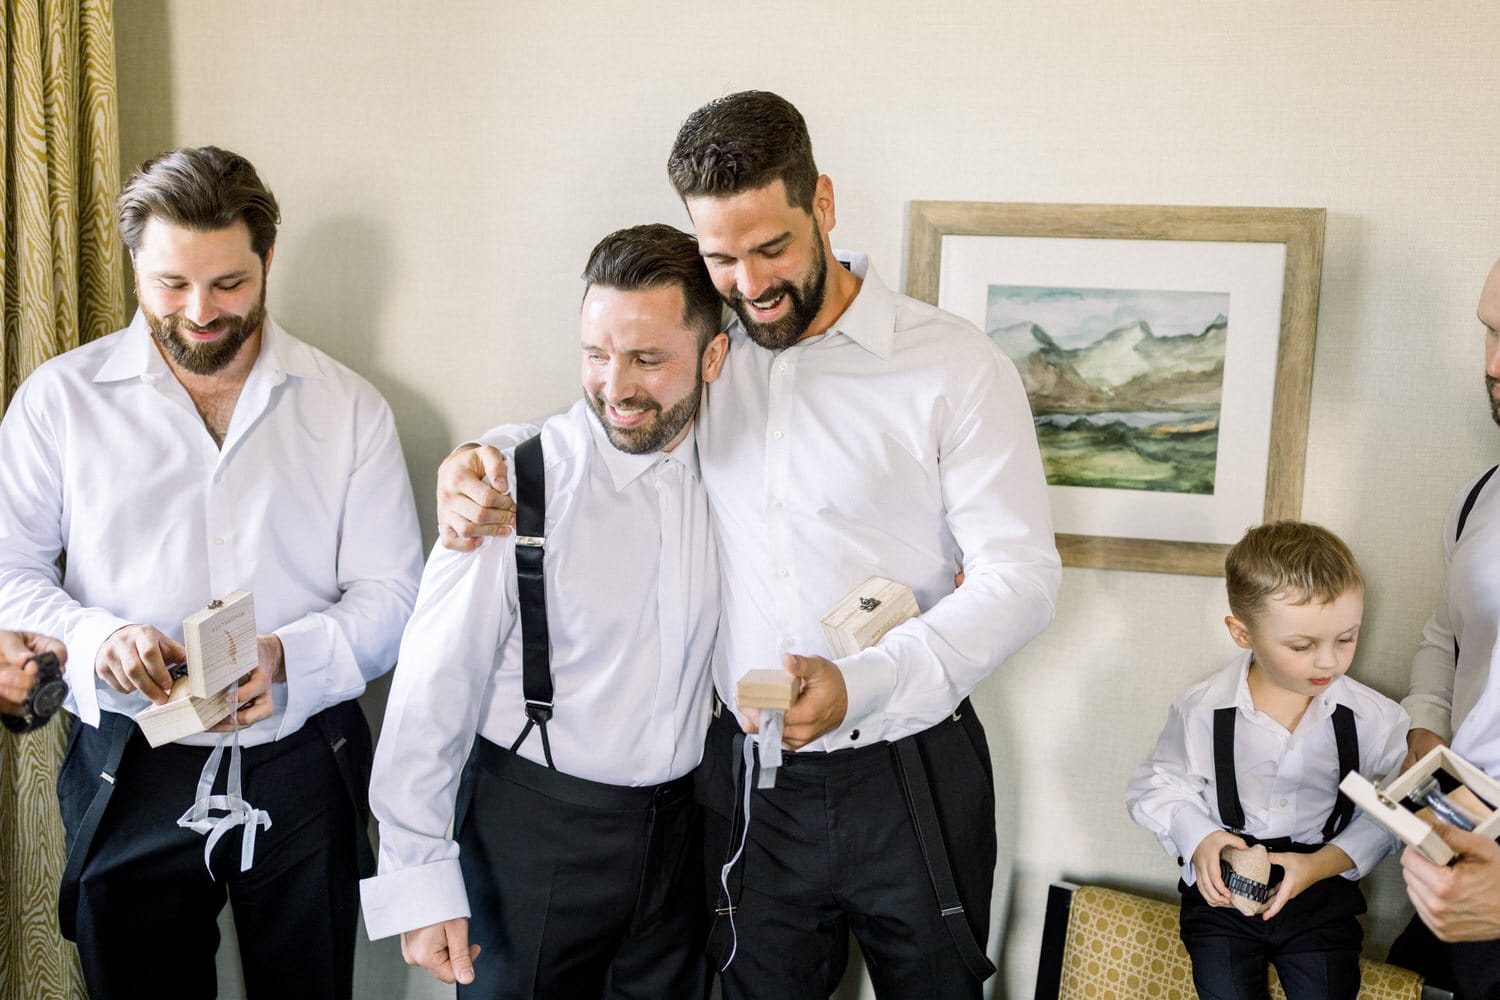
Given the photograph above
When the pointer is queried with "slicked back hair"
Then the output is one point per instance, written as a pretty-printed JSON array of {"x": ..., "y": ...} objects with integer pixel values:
[
  {"x": 657, "y": 256},
  {"x": 1293, "y": 561},
  {"x": 743, "y": 142},
  {"x": 203, "y": 189}
]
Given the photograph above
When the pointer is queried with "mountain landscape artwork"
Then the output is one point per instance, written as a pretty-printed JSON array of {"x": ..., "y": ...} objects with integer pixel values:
[{"x": 1125, "y": 384}]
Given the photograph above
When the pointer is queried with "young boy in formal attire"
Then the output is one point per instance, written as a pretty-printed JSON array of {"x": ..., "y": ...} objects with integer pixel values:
[{"x": 1254, "y": 755}]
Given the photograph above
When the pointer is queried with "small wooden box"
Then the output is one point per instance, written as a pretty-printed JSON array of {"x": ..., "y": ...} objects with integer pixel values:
[
  {"x": 767, "y": 689},
  {"x": 221, "y": 648},
  {"x": 182, "y": 714},
  {"x": 220, "y": 641},
  {"x": 870, "y": 611},
  {"x": 1384, "y": 803}
]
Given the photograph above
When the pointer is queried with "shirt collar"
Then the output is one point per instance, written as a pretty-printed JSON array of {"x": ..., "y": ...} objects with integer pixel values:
[
  {"x": 869, "y": 321},
  {"x": 625, "y": 468},
  {"x": 136, "y": 355},
  {"x": 1233, "y": 691}
]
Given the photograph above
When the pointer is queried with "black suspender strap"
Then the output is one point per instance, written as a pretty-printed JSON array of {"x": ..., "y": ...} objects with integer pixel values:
[
  {"x": 1347, "y": 740},
  {"x": 1469, "y": 501},
  {"x": 531, "y": 525},
  {"x": 1230, "y": 813},
  {"x": 1463, "y": 518},
  {"x": 934, "y": 852},
  {"x": 119, "y": 727}
]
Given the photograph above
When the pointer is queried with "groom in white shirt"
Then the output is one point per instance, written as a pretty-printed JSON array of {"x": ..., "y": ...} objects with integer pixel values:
[
  {"x": 574, "y": 866},
  {"x": 199, "y": 451}
]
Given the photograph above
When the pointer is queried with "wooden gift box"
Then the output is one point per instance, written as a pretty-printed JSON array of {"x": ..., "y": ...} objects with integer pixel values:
[
  {"x": 1383, "y": 802},
  {"x": 221, "y": 648},
  {"x": 870, "y": 611}
]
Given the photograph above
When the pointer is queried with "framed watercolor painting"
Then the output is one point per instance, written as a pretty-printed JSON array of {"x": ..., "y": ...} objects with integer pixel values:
[{"x": 1166, "y": 352}]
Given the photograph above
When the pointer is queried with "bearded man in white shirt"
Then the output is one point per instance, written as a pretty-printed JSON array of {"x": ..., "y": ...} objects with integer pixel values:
[
  {"x": 202, "y": 450},
  {"x": 574, "y": 864},
  {"x": 855, "y": 432},
  {"x": 1455, "y": 697}
]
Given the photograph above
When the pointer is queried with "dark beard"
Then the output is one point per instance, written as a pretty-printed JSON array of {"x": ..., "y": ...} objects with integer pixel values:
[
  {"x": 658, "y": 433},
  {"x": 205, "y": 359},
  {"x": 1490, "y": 384},
  {"x": 805, "y": 302}
]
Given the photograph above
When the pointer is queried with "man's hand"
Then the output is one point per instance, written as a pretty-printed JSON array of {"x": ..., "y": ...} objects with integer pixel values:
[
  {"x": 1462, "y": 901},
  {"x": 1210, "y": 879},
  {"x": 17, "y": 672},
  {"x": 135, "y": 658},
  {"x": 473, "y": 497},
  {"x": 442, "y": 949},
  {"x": 1419, "y": 743},
  {"x": 821, "y": 706},
  {"x": 255, "y": 699}
]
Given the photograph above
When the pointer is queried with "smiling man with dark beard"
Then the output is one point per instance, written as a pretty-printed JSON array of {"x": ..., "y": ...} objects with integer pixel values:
[
  {"x": 199, "y": 451},
  {"x": 207, "y": 349}
]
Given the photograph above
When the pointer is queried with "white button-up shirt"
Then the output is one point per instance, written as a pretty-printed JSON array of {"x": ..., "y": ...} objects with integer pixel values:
[
  {"x": 898, "y": 444},
  {"x": 1288, "y": 781},
  {"x": 307, "y": 505},
  {"x": 632, "y": 591},
  {"x": 1459, "y": 699}
]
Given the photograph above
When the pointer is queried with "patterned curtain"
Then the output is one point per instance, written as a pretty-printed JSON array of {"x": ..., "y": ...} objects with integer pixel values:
[{"x": 61, "y": 270}]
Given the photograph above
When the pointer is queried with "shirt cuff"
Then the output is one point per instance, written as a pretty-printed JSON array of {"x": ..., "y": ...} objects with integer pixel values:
[
  {"x": 1427, "y": 715},
  {"x": 1188, "y": 829},
  {"x": 83, "y": 641},
  {"x": 320, "y": 669},
  {"x": 869, "y": 679},
  {"x": 1366, "y": 842},
  {"x": 411, "y": 898}
]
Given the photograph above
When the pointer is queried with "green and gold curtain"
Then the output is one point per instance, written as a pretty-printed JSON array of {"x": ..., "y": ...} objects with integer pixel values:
[{"x": 61, "y": 270}]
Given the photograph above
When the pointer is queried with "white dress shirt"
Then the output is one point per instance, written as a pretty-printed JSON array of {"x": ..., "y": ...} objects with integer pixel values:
[
  {"x": 307, "y": 505},
  {"x": 632, "y": 589},
  {"x": 1288, "y": 782},
  {"x": 898, "y": 444},
  {"x": 1460, "y": 700}
]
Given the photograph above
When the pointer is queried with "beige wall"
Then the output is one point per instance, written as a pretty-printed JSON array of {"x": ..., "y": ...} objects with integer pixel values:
[{"x": 444, "y": 168}]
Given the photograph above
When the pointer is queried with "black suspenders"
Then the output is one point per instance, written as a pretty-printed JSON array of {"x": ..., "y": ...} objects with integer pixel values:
[
  {"x": 531, "y": 526},
  {"x": 1345, "y": 738},
  {"x": 1463, "y": 518}
]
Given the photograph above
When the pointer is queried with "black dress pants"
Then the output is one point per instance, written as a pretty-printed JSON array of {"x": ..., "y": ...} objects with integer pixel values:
[
  {"x": 1470, "y": 970},
  {"x": 579, "y": 890},
  {"x": 147, "y": 906},
  {"x": 832, "y": 849},
  {"x": 1314, "y": 942}
]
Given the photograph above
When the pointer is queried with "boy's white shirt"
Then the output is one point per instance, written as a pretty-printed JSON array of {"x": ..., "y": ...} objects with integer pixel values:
[{"x": 1288, "y": 781}]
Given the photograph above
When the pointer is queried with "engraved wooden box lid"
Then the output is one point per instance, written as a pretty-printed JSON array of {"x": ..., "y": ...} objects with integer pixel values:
[{"x": 870, "y": 611}]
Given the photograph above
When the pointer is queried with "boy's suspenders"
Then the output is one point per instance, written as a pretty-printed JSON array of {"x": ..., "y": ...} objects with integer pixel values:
[
  {"x": 531, "y": 526},
  {"x": 1463, "y": 517},
  {"x": 1345, "y": 738}
]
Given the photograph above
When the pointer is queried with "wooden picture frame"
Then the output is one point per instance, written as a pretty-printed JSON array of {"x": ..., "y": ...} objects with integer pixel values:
[{"x": 1091, "y": 240}]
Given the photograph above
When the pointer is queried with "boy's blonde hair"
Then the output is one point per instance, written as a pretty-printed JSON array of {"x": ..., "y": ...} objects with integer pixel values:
[{"x": 1288, "y": 560}]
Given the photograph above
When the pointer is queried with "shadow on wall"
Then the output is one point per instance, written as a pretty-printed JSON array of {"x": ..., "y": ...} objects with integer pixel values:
[{"x": 331, "y": 290}]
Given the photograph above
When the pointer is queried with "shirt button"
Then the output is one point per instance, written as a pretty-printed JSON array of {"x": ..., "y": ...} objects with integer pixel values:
[
  {"x": 1283, "y": 801},
  {"x": 775, "y": 504},
  {"x": 776, "y": 435},
  {"x": 854, "y": 734},
  {"x": 781, "y": 367},
  {"x": 218, "y": 541}
]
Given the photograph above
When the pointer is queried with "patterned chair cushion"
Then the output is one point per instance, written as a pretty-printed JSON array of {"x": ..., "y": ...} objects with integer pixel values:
[{"x": 1121, "y": 946}]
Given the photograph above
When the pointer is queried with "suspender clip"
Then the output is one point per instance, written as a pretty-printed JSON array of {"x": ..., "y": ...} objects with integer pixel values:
[
  {"x": 538, "y": 711},
  {"x": 532, "y": 541}
]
